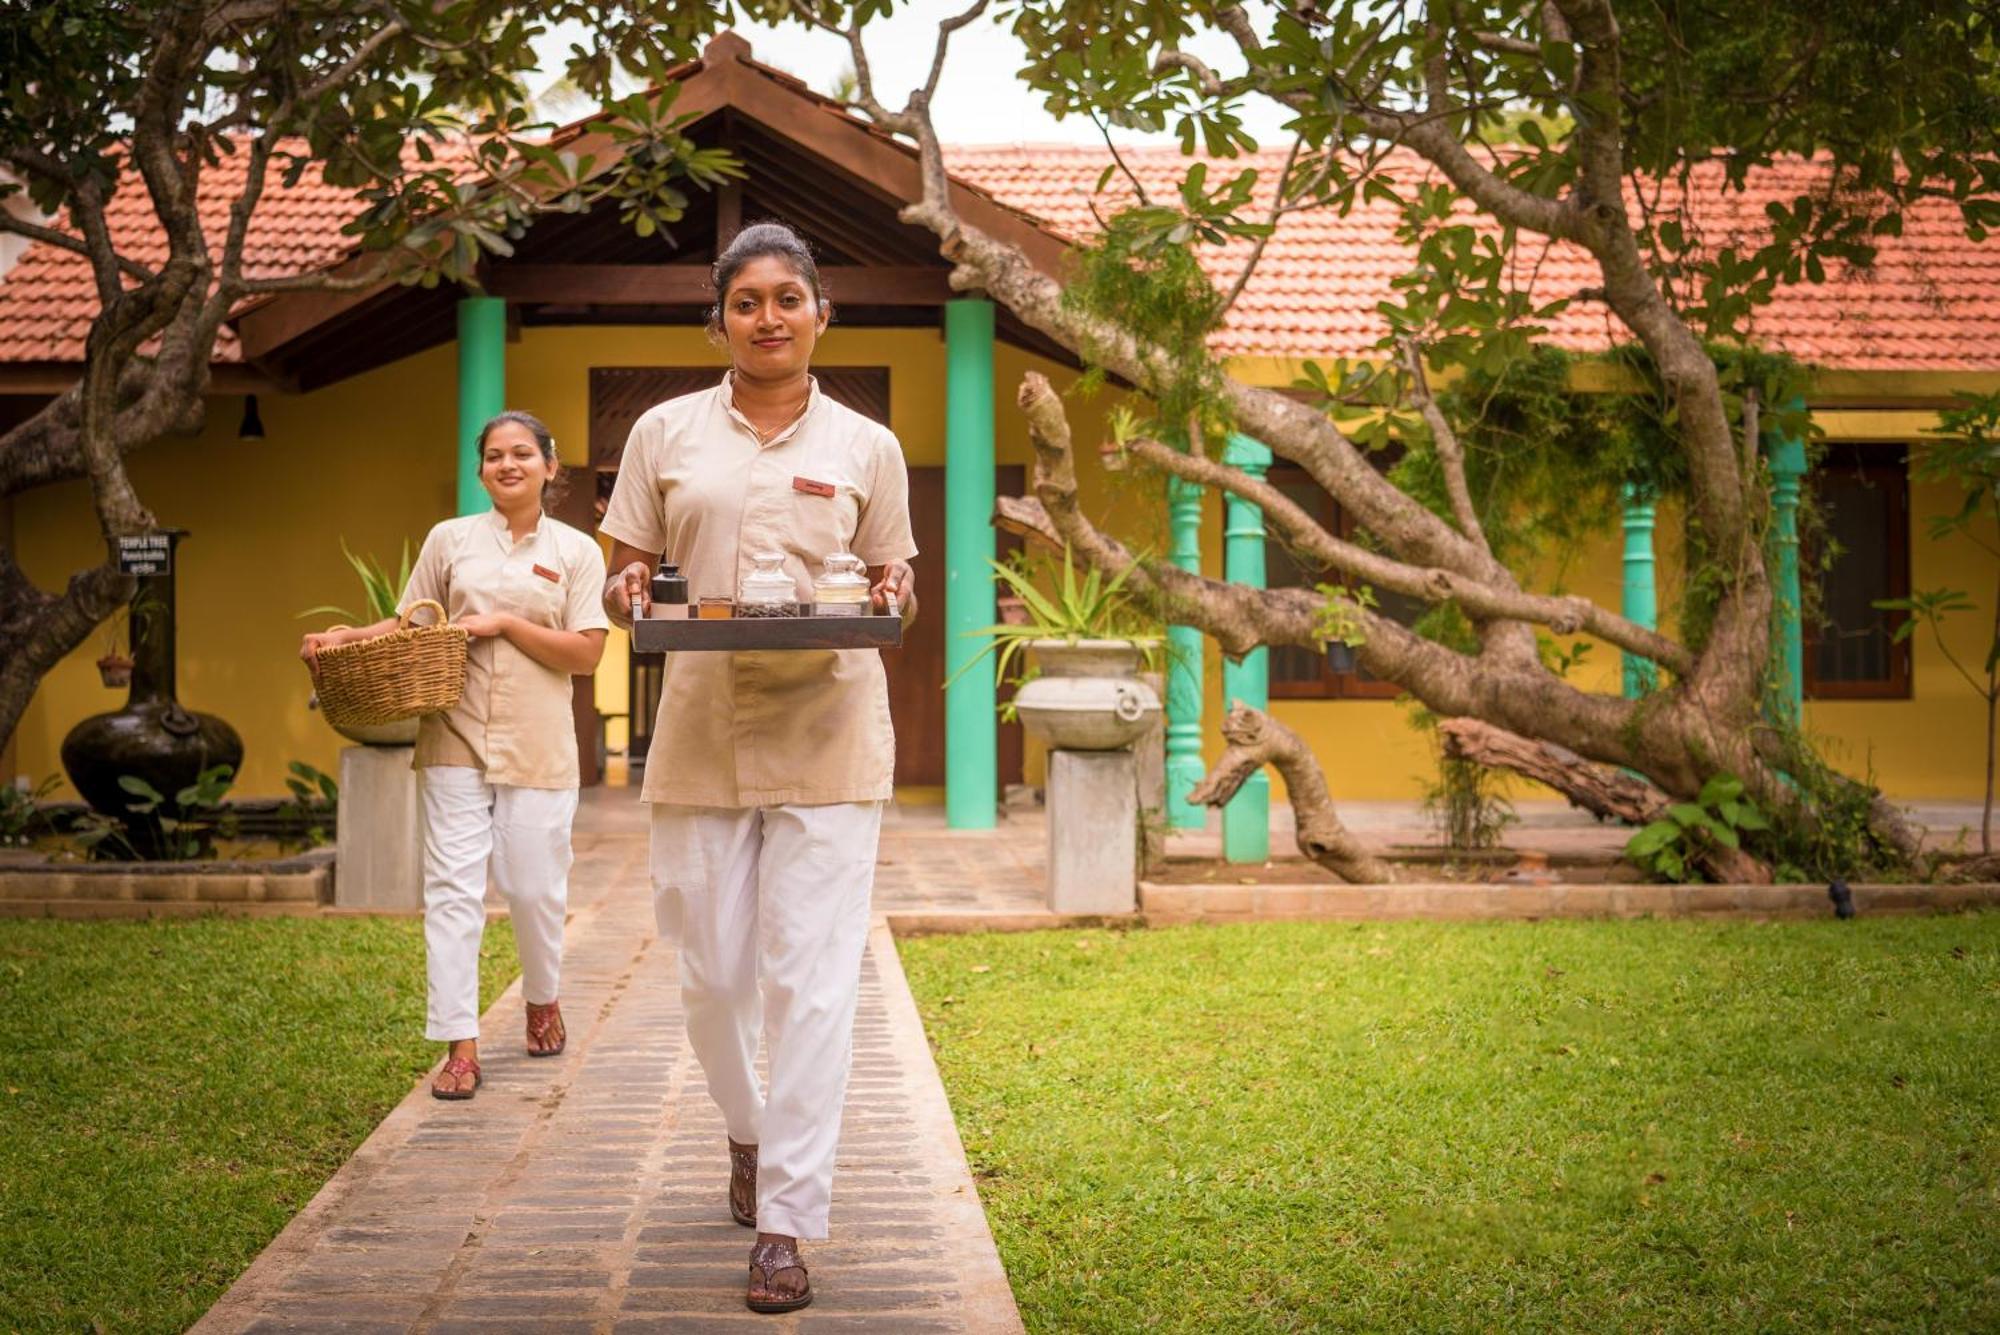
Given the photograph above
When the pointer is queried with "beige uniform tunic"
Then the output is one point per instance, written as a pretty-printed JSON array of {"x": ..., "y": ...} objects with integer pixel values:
[
  {"x": 792, "y": 728},
  {"x": 515, "y": 720}
]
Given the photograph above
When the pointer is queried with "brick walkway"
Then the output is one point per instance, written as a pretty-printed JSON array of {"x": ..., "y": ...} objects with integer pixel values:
[{"x": 586, "y": 1192}]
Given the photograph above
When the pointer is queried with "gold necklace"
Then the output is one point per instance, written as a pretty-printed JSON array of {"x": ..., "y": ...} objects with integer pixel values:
[{"x": 764, "y": 437}]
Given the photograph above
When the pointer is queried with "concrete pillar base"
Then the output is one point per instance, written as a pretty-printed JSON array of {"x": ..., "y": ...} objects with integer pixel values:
[
  {"x": 1150, "y": 754},
  {"x": 381, "y": 845},
  {"x": 1093, "y": 832}
]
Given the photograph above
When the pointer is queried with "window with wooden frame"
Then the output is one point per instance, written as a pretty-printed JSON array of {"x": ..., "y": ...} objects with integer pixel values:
[
  {"x": 1863, "y": 493},
  {"x": 1302, "y": 674}
]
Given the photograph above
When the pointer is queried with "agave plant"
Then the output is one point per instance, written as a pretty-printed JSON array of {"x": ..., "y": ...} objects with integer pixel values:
[
  {"x": 1082, "y": 607},
  {"x": 381, "y": 592}
]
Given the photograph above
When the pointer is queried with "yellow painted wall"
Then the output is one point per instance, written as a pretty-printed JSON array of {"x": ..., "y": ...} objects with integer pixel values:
[{"x": 373, "y": 459}]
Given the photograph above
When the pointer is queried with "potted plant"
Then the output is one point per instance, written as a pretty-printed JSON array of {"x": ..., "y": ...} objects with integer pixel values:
[
  {"x": 114, "y": 668},
  {"x": 380, "y": 593},
  {"x": 1089, "y": 640}
]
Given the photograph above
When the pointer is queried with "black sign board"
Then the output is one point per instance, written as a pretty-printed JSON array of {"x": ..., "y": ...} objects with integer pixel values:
[{"x": 146, "y": 554}]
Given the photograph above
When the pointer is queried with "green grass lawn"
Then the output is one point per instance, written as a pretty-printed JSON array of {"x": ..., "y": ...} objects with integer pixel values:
[
  {"x": 172, "y": 1092},
  {"x": 1588, "y": 1126}
]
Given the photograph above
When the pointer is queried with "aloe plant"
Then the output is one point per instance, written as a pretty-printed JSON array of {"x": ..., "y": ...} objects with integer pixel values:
[
  {"x": 1086, "y": 607},
  {"x": 381, "y": 592}
]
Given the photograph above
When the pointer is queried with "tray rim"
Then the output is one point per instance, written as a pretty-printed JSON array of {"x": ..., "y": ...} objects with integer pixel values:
[{"x": 885, "y": 632}]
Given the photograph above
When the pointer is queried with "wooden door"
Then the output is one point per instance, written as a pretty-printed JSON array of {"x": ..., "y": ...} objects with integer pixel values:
[{"x": 917, "y": 670}]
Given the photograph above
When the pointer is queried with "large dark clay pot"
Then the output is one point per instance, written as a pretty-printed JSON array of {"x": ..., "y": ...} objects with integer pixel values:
[{"x": 153, "y": 737}]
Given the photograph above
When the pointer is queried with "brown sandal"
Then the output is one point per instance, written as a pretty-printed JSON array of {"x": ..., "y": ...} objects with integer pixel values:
[
  {"x": 743, "y": 1184},
  {"x": 770, "y": 1259},
  {"x": 457, "y": 1068},
  {"x": 546, "y": 1035}
]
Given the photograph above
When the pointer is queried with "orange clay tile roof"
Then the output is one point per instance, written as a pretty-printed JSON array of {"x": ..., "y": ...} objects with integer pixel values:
[
  {"x": 1931, "y": 301},
  {"x": 47, "y": 299}
]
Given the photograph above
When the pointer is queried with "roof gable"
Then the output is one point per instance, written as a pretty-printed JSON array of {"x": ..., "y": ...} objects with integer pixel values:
[{"x": 1931, "y": 302}]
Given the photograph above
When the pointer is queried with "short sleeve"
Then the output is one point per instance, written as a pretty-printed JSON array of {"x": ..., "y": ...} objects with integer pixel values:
[
  {"x": 633, "y": 515},
  {"x": 882, "y": 533},
  {"x": 584, "y": 609},
  {"x": 430, "y": 577}
]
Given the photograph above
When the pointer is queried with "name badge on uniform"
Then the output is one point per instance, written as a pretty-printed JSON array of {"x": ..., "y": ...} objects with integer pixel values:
[
  {"x": 547, "y": 574},
  {"x": 812, "y": 488}
]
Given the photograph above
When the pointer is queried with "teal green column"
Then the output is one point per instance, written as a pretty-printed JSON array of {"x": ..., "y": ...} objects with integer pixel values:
[
  {"x": 1184, "y": 670},
  {"x": 482, "y": 388},
  {"x": 1246, "y": 820},
  {"x": 1640, "y": 602},
  {"x": 1785, "y": 700},
  {"x": 971, "y": 724}
]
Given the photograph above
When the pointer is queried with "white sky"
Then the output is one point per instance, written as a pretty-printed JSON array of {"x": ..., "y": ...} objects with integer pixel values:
[{"x": 981, "y": 99}]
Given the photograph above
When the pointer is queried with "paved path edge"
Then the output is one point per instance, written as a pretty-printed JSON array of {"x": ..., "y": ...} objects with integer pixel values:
[
  {"x": 986, "y": 1298},
  {"x": 247, "y": 1299}
]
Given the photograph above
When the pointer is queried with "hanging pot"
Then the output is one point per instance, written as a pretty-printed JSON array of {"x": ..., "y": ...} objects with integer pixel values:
[
  {"x": 115, "y": 670},
  {"x": 1339, "y": 656}
]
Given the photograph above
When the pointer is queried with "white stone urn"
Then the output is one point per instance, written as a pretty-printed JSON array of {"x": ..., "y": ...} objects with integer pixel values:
[{"x": 1088, "y": 696}]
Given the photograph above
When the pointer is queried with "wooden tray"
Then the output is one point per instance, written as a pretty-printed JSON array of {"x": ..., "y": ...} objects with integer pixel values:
[{"x": 656, "y": 635}]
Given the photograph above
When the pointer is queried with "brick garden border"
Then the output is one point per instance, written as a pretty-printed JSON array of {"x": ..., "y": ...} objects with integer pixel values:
[
  {"x": 1449, "y": 901},
  {"x": 277, "y": 886},
  {"x": 1456, "y": 901}
]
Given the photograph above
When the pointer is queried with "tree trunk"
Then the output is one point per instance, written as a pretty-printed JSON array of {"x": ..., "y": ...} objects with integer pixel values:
[
  {"x": 1256, "y": 740},
  {"x": 1598, "y": 789},
  {"x": 40, "y": 629}
]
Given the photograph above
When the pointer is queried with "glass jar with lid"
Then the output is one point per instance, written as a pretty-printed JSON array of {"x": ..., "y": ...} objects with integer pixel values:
[
  {"x": 767, "y": 591},
  {"x": 842, "y": 587}
]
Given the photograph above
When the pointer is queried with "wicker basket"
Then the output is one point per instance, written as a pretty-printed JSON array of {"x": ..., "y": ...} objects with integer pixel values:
[{"x": 409, "y": 671}]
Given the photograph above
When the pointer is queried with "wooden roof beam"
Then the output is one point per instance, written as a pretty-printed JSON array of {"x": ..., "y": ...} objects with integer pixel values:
[{"x": 688, "y": 284}]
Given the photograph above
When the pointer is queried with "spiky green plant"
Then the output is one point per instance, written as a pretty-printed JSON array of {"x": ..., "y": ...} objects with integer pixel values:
[{"x": 381, "y": 592}]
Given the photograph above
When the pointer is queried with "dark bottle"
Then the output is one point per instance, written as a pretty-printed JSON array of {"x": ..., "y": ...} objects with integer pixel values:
[{"x": 670, "y": 587}]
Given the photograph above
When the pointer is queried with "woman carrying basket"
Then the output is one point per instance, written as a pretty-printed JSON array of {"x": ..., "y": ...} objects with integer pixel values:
[
  {"x": 498, "y": 771},
  {"x": 768, "y": 771}
]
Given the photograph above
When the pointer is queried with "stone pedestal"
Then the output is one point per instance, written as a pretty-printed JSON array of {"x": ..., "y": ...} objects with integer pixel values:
[
  {"x": 381, "y": 845},
  {"x": 1093, "y": 831},
  {"x": 1150, "y": 753}
]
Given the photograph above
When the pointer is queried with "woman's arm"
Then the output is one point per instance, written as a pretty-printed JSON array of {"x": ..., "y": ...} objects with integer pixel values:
[
  {"x": 573, "y": 651},
  {"x": 327, "y": 639},
  {"x": 631, "y": 571}
]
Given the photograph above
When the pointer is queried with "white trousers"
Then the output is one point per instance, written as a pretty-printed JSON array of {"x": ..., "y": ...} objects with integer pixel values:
[
  {"x": 771, "y": 908},
  {"x": 522, "y": 834}
]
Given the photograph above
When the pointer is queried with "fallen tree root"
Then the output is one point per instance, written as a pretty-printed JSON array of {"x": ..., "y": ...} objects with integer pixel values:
[
  {"x": 1256, "y": 740},
  {"x": 1599, "y": 789}
]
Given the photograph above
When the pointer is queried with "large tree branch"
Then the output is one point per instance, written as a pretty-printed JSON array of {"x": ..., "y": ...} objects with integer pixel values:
[
  {"x": 1451, "y": 456},
  {"x": 372, "y": 275},
  {"x": 1241, "y": 618},
  {"x": 1481, "y": 601},
  {"x": 76, "y": 245},
  {"x": 1256, "y": 740},
  {"x": 1429, "y": 134},
  {"x": 945, "y": 30},
  {"x": 1256, "y": 255}
]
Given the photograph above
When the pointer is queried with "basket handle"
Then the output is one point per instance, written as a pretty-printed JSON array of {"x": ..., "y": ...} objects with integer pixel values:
[{"x": 408, "y": 619}]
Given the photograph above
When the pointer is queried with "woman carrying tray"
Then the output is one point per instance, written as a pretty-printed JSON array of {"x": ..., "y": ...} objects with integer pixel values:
[
  {"x": 498, "y": 771},
  {"x": 767, "y": 771}
]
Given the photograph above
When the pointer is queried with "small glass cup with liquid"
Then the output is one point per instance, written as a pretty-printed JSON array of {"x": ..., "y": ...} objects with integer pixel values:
[{"x": 842, "y": 587}]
